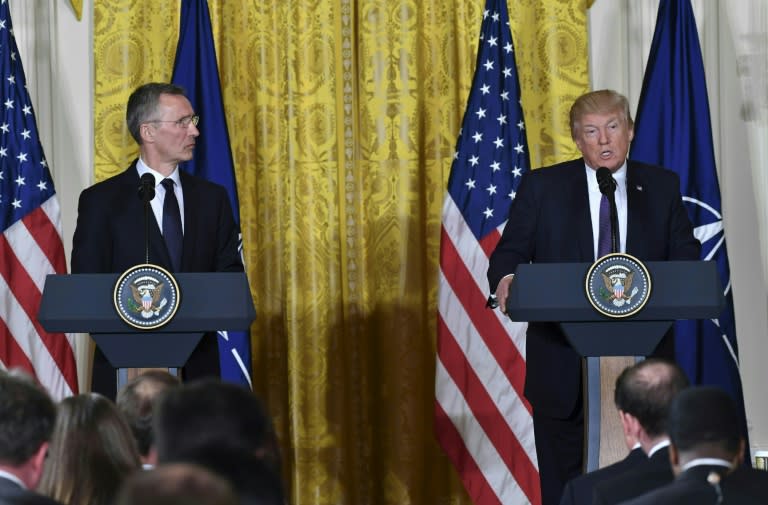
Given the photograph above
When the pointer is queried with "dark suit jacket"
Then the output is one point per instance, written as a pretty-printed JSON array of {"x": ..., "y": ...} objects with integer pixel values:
[
  {"x": 651, "y": 474},
  {"x": 550, "y": 222},
  {"x": 109, "y": 236},
  {"x": 13, "y": 494},
  {"x": 579, "y": 491},
  {"x": 689, "y": 488},
  {"x": 746, "y": 486}
]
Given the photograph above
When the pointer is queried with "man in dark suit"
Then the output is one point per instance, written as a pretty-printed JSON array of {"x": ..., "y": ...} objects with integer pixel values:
[
  {"x": 627, "y": 394},
  {"x": 706, "y": 446},
  {"x": 646, "y": 392},
  {"x": 578, "y": 491},
  {"x": 27, "y": 415},
  {"x": 109, "y": 236},
  {"x": 555, "y": 218}
]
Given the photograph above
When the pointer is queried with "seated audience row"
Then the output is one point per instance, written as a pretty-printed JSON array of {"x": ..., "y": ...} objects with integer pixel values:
[
  {"x": 209, "y": 440},
  {"x": 687, "y": 446}
]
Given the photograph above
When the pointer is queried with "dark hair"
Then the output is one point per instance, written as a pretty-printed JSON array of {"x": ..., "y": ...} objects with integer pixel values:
[
  {"x": 253, "y": 479},
  {"x": 27, "y": 415},
  {"x": 142, "y": 104},
  {"x": 136, "y": 400},
  {"x": 210, "y": 413},
  {"x": 177, "y": 484},
  {"x": 704, "y": 415},
  {"x": 646, "y": 389},
  {"x": 92, "y": 451}
]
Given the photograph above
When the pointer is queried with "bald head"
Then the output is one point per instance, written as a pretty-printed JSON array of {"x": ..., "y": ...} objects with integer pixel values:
[{"x": 646, "y": 390}]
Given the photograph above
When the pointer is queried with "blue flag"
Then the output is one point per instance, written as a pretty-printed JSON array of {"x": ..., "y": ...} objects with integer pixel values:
[
  {"x": 196, "y": 71},
  {"x": 673, "y": 129}
]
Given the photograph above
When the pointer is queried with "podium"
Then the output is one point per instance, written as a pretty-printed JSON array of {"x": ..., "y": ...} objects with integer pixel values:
[
  {"x": 679, "y": 290},
  {"x": 83, "y": 303}
]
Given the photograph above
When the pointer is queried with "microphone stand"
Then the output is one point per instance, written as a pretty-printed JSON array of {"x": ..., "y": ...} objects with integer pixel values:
[
  {"x": 607, "y": 185},
  {"x": 614, "y": 222},
  {"x": 146, "y": 231},
  {"x": 146, "y": 193}
]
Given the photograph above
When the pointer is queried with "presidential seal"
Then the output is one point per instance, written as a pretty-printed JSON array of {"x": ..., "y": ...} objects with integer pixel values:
[
  {"x": 618, "y": 285},
  {"x": 146, "y": 296}
]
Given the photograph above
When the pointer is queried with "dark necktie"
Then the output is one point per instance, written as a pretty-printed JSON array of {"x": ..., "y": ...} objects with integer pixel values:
[
  {"x": 604, "y": 227},
  {"x": 172, "y": 232}
]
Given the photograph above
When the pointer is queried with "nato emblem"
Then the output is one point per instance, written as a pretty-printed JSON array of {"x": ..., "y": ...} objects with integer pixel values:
[
  {"x": 146, "y": 296},
  {"x": 618, "y": 285}
]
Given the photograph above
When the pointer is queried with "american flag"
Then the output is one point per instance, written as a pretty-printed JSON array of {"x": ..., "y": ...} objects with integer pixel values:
[
  {"x": 482, "y": 420},
  {"x": 31, "y": 245}
]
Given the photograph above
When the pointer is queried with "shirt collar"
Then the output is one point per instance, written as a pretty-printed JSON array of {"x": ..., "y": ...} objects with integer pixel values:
[
  {"x": 13, "y": 478},
  {"x": 658, "y": 447},
  {"x": 620, "y": 176},
  {"x": 143, "y": 168},
  {"x": 706, "y": 461}
]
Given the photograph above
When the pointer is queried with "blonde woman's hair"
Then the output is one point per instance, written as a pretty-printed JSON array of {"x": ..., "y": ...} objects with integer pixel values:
[{"x": 91, "y": 453}]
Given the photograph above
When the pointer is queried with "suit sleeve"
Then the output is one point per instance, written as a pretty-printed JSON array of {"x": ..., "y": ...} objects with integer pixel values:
[
  {"x": 91, "y": 247},
  {"x": 517, "y": 241},
  {"x": 228, "y": 238},
  {"x": 683, "y": 245}
]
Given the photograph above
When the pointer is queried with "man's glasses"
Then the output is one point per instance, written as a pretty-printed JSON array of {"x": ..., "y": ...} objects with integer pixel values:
[{"x": 181, "y": 123}]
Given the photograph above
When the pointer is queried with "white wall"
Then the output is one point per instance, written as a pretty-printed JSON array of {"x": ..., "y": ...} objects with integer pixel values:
[{"x": 621, "y": 32}]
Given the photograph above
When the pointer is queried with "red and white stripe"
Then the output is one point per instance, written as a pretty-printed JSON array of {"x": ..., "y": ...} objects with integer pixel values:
[
  {"x": 482, "y": 420},
  {"x": 30, "y": 249}
]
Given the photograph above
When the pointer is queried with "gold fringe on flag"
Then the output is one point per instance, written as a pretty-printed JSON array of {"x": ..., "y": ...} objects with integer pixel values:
[{"x": 77, "y": 5}]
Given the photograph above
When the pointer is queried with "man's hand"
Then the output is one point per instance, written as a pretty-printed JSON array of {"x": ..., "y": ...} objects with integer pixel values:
[{"x": 502, "y": 292}]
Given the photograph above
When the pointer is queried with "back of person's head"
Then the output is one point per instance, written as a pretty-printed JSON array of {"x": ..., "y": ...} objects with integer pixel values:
[
  {"x": 210, "y": 413},
  {"x": 136, "y": 401},
  {"x": 143, "y": 103},
  {"x": 646, "y": 389},
  {"x": 27, "y": 416},
  {"x": 255, "y": 481},
  {"x": 92, "y": 451},
  {"x": 704, "y": 420},
  {"x": 604, "y": 101},
  {"x": 176, "y": 484}
]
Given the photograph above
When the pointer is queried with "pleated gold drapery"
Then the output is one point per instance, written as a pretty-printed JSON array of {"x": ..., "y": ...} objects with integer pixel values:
[{"x": 343, "y": 116}]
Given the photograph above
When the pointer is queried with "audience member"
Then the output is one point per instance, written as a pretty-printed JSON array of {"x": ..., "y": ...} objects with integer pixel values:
[
  {"x": 706, "y": 446},
  {"x": 92, "y": 451},
  {"x": 176, "y": 484},
  {"x": 579, "y": 490},
  {"x": 135, "y": 402},
  {"x": 256, "y": 481},
  {"x": 643, "y": 394},
  {"x": 27, "y": 416},
  {"x": 225, "y": 428}
]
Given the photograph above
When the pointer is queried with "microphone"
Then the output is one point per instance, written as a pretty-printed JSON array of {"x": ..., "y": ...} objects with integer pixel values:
[
  {"x": 146, "y": 194},
  {"x": 605, "y": 181},
  {"x": 147, "y": 187}
]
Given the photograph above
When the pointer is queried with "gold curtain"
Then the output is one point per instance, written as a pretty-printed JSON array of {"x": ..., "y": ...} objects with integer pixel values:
[{"x": 343, "y": 115}]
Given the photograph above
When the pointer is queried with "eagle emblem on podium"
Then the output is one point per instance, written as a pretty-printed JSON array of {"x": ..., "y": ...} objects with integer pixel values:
[
  {"x": 146, "y": 296},
  {"x": 618, "y": 285}
]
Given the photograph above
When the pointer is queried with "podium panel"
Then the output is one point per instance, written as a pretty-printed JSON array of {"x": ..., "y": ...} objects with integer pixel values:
[
  {"x": 83, "y": 303},
  {"x": 557, "y": 292}
]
